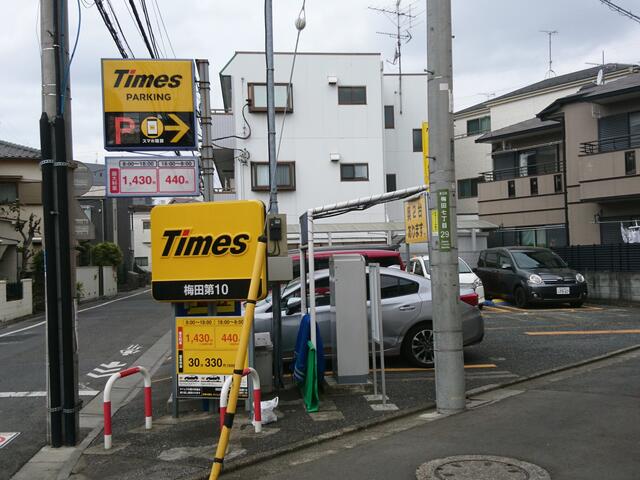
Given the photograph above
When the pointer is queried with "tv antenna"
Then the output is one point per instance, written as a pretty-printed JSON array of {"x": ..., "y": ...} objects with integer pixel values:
[
  {"x": 550, "y": 73},
  {"x": 397, "y": 16}
]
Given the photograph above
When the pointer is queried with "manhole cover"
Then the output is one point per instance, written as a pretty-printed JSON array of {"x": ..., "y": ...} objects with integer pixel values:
[{"x": 480, "y": 467}]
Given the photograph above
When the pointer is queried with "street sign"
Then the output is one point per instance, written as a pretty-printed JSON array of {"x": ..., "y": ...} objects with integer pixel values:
[
  {"x": 82, "y": 179},
  {"x": 415, "y": 220},
  {"x": 152, "y": 177},
  {"x": 205, "y": 251},
  {"x": 83, "y": 226},
  {"x": 148, "y": 104},
  {"x": 206, "y": 350},
  {"x": 444, "y": 224}
]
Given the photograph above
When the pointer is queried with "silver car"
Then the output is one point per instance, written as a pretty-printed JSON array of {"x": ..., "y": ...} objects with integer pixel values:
[{"x": 406, "y": 316}]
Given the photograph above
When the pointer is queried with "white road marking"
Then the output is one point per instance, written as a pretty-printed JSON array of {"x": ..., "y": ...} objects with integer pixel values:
[
  {"x": 82, "y": 393},
  {"x": 6, "y": 437},
  {"x": 131, "y": 350},
  {"x": 79, "y": 311}
]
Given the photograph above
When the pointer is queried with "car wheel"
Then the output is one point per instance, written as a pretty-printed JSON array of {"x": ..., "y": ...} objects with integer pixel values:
[
  {"x": 577, "y": 304},
  {"x": 520, "y": 297},
  {"x": 417, "y": 346}
]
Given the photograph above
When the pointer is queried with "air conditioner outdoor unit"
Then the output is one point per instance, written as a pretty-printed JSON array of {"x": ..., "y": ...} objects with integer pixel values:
[
  {"x": 332, "y": 80},
  {"x": 335, "y": 157}
]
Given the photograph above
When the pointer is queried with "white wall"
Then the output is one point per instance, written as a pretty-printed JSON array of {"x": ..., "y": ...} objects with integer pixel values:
[
  {"x": 399, "y": 157},
  {"x": 317, "y": 127},
  {"x": 15, "y": 308},
  {"x": 142, "y": 237},
  {"x": 109, "y": 281},
  {"x": 88, "y": 277}
]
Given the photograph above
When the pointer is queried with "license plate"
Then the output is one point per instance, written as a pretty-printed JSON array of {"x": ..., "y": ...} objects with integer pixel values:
[{"x": 563, "y": 290}]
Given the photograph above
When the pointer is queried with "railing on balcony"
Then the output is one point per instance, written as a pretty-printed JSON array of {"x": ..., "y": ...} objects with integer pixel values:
[
  {"x": 610, "y": 144},
  {"x": 523, "y": 171}
]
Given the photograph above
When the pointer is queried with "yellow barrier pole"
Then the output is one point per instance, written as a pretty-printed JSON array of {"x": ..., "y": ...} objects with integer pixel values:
[{"x": 240, "y": 358}]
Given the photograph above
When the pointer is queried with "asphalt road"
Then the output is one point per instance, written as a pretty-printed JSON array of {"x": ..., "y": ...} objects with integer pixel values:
[{"x": 114, "y": 333}]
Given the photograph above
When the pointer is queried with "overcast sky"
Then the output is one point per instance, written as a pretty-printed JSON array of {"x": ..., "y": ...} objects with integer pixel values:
[{"x": 498, "y": 46}]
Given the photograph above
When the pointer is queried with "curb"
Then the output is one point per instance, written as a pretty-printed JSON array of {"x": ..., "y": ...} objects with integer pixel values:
[{"x": 302, "y": 444}]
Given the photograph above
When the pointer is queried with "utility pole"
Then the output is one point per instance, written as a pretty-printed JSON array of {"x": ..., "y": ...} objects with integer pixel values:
[
  {"x": 447, "y": 324},
  {"x": 56, "y": 148},
  {"x": 273, "y": 185},
  {"x": 206, "y": 149}
]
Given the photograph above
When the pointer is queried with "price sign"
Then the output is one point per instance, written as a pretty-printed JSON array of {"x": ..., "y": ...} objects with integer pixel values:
[
  {"x": 151, "y": 177},
  {"x": 206, "y": 351}
]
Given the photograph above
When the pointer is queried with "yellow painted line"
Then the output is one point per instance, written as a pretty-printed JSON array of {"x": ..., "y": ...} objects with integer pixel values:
[
  {"x": 587, "y": 332},
  {"x": 493, "y": 309}
]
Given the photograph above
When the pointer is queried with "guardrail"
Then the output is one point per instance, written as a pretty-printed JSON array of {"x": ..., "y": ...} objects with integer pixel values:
[
  {"x": 107, "y": 400},
  {"x": 610, "y": 144},
  {"x": 257, "y": 410},
  {"x": 523, "y": 171}
]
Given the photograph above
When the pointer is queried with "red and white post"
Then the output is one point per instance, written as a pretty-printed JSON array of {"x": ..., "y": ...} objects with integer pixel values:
[
  {"x": 257, "y": 410},
  {"x": 107, "y": 400}
]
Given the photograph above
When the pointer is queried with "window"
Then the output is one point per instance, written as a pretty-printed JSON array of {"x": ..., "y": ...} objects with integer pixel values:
[
  {"x": 557, "y": 183},
  {"x": 533, "y": 185},
  {"x": 285, "y": 176},
  {"x": 354, "y": 172},
  {"x": 503, "y": 259},
  {"x": 479, "y": 125},
  {"x": 389, "y": 119},
  {"x": 491, "y": 260},
  {"x": 417, "y": 268},
  {"x": 142, "y": 261},
  {"x": 396, "y": 287},
  {"x": 8, "y": 192},
  {"x": 630, "y": 162},
  {"x": 391, "y": 182},
  {"x": 146, "y": 224},
  {"x": 468, "y": 188},
  {"x": 258, "y": 97},
  {"x": 511, "y": 187},
  {"x": 352, "y": 95},
  {"x": 417, "y": 139}
]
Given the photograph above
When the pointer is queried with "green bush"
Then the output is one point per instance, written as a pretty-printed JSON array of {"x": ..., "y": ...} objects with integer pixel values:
[{"x": 107, "y": 254}]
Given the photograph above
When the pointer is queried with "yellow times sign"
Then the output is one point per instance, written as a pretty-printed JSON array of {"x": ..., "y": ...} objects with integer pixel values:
[
  {"x": 147, "y": 85},
  {"x": 205, "y": 251},
  {"x": 415, "y": 220}
]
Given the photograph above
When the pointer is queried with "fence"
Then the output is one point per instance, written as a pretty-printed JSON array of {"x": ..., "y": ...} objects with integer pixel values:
[
  {"x": 14, "y": 291},
  {"x": 622, "y": 257}
]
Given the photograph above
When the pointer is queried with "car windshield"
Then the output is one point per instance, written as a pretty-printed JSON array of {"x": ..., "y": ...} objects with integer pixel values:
[
  {"x": 538, "y": 259},
  {"x": 462, "y": 266}
]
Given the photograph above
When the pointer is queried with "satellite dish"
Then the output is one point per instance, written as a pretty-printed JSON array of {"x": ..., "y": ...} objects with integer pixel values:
[
  {"x": 82, "y": 179},
  {"x": 600, "y": 77}
]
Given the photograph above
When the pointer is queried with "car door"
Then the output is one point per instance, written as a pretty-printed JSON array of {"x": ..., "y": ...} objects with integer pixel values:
[
  {"x": 487, "y": 271},
  {"x": 401, "y": 306},
  {"x": 507, "y": 279}
]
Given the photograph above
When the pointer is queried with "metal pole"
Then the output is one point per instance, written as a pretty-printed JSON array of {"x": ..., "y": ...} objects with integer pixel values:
[
  {"x": 399, "y": 47},
  {"x": 273, "y": 185},
  {"x": 447, "y": 326},
  {"x": 206, "y": 149},
  {"x": 373, "y": 316},
  {"x": 312, "y": 279}
]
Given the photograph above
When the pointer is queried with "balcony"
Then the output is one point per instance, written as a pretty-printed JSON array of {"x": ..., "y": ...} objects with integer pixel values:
[
  {"x": 523, "y": 171},
  {"x": 608, "y": 175},
  {"x": 611, "y": 144}
]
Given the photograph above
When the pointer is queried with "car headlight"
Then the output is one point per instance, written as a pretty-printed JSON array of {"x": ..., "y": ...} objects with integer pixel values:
[
  {"x": 535, "y": 279},
  {"x": 579, "y": 278}
]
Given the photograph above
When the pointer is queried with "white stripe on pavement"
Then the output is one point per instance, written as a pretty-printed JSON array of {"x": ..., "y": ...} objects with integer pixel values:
[
  {"x": 82, "y": 393},
  {"x": 79, "y": 311}
]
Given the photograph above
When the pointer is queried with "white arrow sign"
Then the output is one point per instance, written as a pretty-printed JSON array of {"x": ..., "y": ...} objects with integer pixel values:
[
  {"x": 107, "y": 370},
  {"x": 113, "y": 365},
  {"x": 130, "y": 350}
]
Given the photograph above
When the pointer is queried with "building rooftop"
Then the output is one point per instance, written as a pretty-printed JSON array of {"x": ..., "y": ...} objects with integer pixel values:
[
  {"x": 528, "y": 126},
  {"x": 568, "y": 78},
  {"x": 13, "y": 150}
]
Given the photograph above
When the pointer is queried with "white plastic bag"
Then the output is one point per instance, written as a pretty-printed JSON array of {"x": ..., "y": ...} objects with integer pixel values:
[{"x": 268, "y": 407}]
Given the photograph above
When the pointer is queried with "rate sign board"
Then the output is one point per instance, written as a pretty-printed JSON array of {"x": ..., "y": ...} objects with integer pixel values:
[
  {"x": 148, "y": 104},
  {"x": 205, "y": 251},
  {"x": 206, "y": 352},
  {"x": 415, "y": 220},
  {"x": 152, "y": 176}
]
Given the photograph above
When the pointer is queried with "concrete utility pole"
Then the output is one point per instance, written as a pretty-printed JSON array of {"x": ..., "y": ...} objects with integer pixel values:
[
  {"x": 447, "y": 324},
  {"x": 57, "y": 153},
  {"x": 206, "y": 150},
  {"x": 273, "y": 184}
]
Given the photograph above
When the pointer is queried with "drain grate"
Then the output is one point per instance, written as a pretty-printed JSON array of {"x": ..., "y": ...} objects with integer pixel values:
[{"x": 480, "y": 467}]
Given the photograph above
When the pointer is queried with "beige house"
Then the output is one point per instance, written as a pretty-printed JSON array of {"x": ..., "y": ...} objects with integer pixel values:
[
  {"x": 568, "y": 176},
  {"x": 20, "y": 180}
]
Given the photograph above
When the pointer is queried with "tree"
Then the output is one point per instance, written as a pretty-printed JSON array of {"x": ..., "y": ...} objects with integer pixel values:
[
  {"x": 28, "y": 229},
  {"x": 107, "y": 254}
]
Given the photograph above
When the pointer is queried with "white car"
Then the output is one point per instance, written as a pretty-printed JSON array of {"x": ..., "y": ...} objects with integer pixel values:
[{"x": 468, "y": 279}]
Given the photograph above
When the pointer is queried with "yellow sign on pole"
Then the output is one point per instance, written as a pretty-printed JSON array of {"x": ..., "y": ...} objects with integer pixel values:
[
  {"x": 205, "y": 251},
  {"x": 206, "y": 350},
  {"x": 425, "y": 153},
  {"x": 148, "y": 104},
  {"x": 415, "y": 220}
]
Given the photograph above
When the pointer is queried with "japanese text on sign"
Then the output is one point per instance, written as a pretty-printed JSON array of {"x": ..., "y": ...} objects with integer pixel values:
[
  {"x": 415, "y": 220},
  {"x": 151, "y": 177},
  {"x": 444, "y": 230}
]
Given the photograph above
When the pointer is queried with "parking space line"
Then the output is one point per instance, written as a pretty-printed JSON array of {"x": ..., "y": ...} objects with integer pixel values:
[
  {"x": 588, "y": 332},
  {"x": 412, "y": 369}
]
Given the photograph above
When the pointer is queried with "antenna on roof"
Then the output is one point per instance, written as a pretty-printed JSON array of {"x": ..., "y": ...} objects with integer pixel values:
[
  {"x": 600, "y": 77},
  {"x": 550, "y": 73}
]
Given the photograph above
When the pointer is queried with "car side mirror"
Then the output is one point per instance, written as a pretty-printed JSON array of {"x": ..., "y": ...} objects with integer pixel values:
[
  {"x": 293, "y": 303},
  {"x": 506, "y": 266},
  {"x": 474, "y": 269}
]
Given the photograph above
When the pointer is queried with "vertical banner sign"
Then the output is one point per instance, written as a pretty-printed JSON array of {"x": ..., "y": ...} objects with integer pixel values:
[
  {"x": 148, "y": 104},
  {"x": 425, "y": 153},
  {"x": 415, "y": 220},
  {"x": 205, "y": 354},
  {"x": 444, "y": 230}
]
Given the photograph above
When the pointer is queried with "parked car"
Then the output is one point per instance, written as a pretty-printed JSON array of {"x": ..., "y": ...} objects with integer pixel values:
[
  {"x": 529, "y": 275},
  {"x": 406, "y": 316},
  {"x": 384, "y": 255},
  {"x": 468, "y": 279}
]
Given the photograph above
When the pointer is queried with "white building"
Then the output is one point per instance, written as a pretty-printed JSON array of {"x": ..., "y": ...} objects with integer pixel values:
[
  {"x": 335, "y": 145},
  {"x": 141, "y": 222}
]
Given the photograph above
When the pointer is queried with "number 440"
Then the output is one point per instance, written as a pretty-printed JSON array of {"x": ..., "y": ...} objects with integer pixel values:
[{"x": 175, "y": 179}]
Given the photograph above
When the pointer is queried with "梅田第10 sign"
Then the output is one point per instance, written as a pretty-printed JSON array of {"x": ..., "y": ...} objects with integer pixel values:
[{"x": 151, "y": 176}]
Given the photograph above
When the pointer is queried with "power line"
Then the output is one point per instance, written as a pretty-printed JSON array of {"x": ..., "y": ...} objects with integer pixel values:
[
  {"x": 621, "y": 10},
  {"x": 154, "y": 6},
  {"x": 112, "y": 30},
  {"x": 141, "y": 28},
  {"x": 124, "y": 38},
  {"x": 164, "y": 27},
  {"x": 152, "y": 36}
]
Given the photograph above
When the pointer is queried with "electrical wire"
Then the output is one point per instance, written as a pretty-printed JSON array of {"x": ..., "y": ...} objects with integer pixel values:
[
  {"x": 141, "y": 29},
  {"x": 152, "y": 37},
  {"x": 67, "y": 72},
  {"x": 110, "y": 28},
  {"x": 238, "y": 136},
  {"x": 154, "y": 6},
  {"x": 124, "y": 38},
  {"x": 164, "y": 27}
]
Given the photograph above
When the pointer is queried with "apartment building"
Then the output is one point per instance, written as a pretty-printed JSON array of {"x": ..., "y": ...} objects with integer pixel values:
[{"x": 569, "y": 175}]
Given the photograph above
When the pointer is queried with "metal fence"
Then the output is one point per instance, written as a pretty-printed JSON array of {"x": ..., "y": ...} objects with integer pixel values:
[
  {"x": 622, "y": 257},
  {"x": 14, "y": 291}
]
